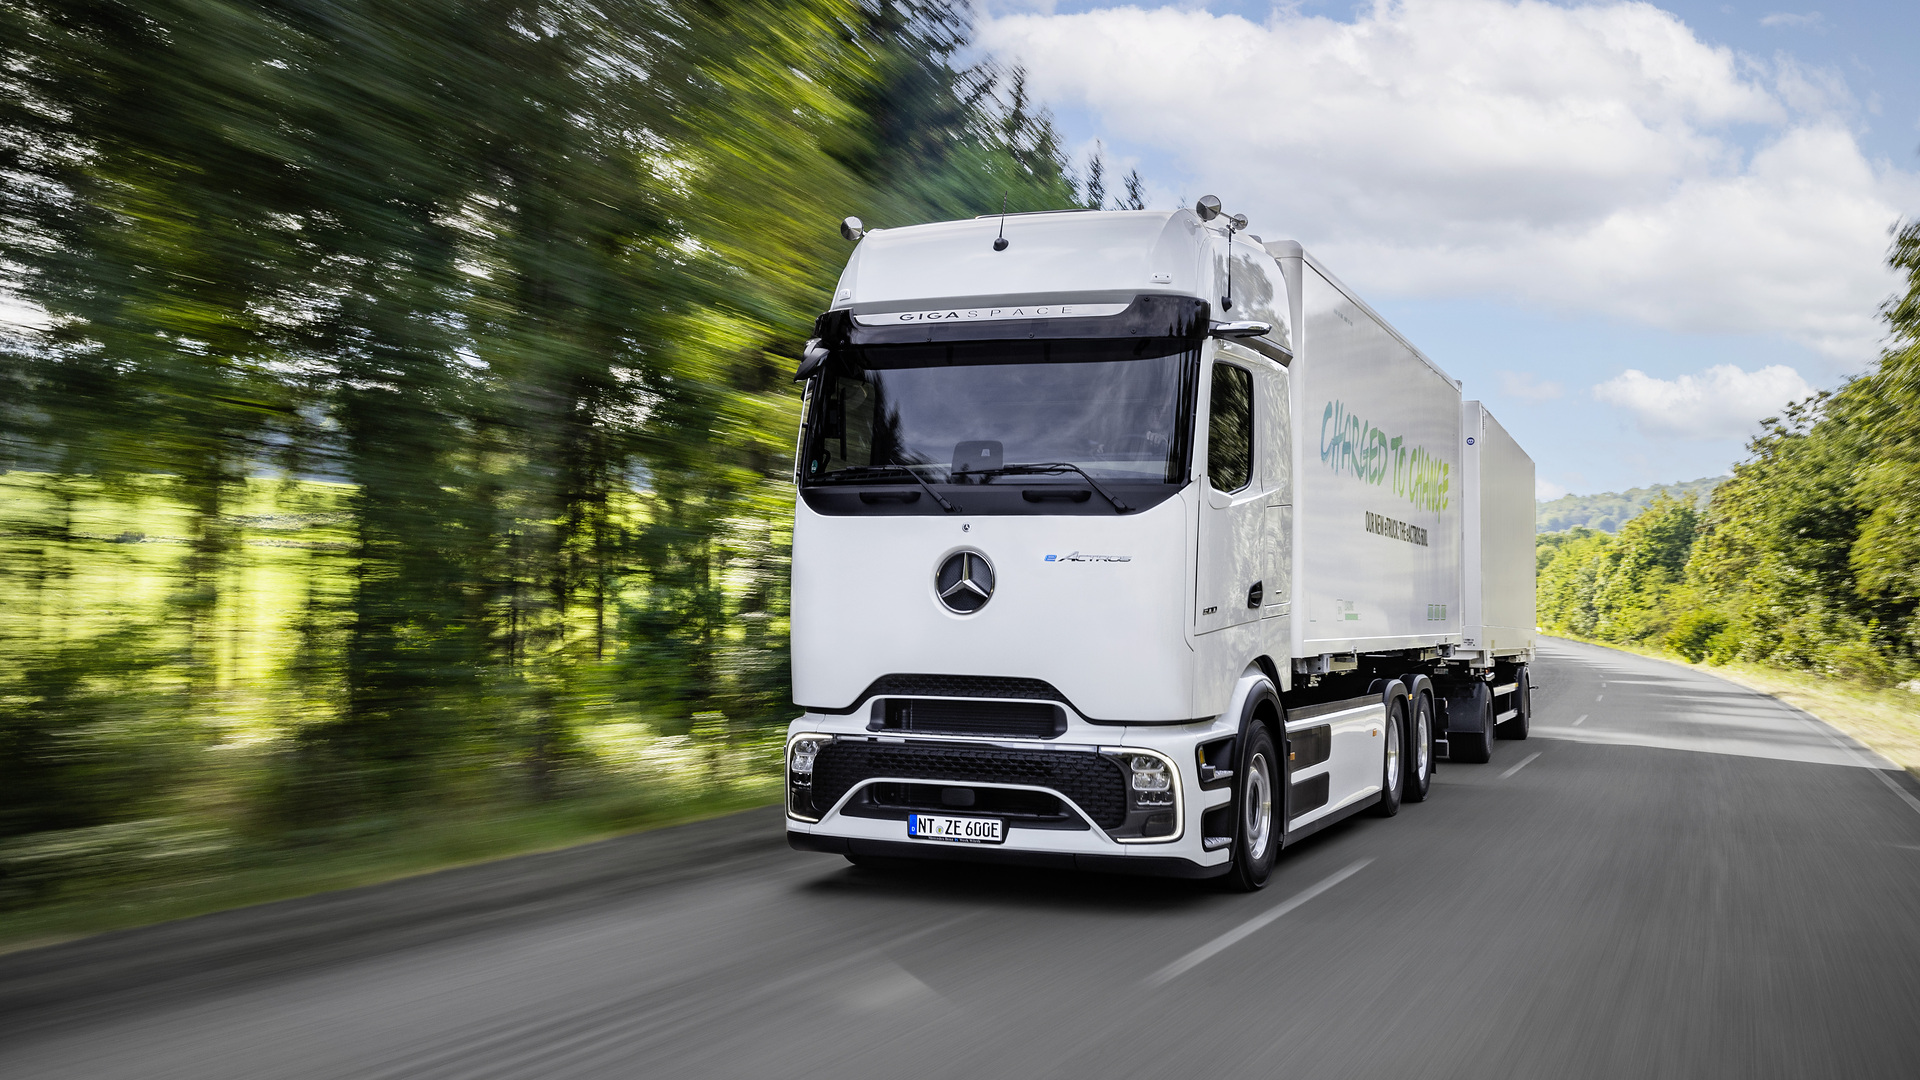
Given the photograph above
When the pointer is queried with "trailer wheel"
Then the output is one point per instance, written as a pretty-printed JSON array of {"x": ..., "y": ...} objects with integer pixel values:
[
  {"x": 1419, "y": 755},
  {"x": 1475, "y": 747},
  {"x": 1516, "y": 728},
  {"x": 1256, "y": 827}
]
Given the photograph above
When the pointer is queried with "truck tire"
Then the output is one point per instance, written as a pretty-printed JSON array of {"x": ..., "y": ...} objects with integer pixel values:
[
  {"x": 1474, "y": 745},
  {"x": 1393, "y": 766},
  {"x": 1419, "y": 755},
  {"x": 1257, "y": 810},
  {"x": 1516, "y": 728}
]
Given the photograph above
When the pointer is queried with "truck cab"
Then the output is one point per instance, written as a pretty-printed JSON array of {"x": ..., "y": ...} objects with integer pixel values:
[{"x": 1044, "y": 555}]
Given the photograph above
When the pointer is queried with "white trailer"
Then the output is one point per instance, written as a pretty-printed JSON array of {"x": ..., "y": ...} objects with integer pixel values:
[
  {"x": 1498, "y": 561},
  {"x": 1125, "y": 542}
]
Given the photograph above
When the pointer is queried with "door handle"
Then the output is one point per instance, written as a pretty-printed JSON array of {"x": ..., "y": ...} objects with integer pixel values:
[{"x": 1254, "y": 595}]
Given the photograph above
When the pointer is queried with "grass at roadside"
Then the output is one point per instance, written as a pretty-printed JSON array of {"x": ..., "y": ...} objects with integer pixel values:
[
  {"x": 402, "y": 848},
  {"x": 1888, "y": 720}
]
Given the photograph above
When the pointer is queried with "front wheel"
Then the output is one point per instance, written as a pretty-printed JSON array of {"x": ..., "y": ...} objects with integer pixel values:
[
  {"x": 1256, "y": 832},
  {"x": 1419, "y": 755}
]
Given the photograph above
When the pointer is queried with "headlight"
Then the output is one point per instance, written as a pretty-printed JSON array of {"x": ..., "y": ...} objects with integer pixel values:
[
  {"x": 1151, "y": 781},
  {"x": 1152, "y": 793},
  {"x": 1150, "y": 774},
  {"x": 800, "y": 758},
  {"x": 801, "y": 753}
]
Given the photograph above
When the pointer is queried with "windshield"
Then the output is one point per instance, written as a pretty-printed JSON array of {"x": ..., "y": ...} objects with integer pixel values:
[{"x": 988, "y": 406}]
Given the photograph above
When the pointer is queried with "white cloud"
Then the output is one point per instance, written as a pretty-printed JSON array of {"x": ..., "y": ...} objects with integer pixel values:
[
  {"x": 1584, "y": 159},
  {"x": 1809, "y": 20},
  {"x": 1546, "y": 490},
  {"x": 1529, "y": 387},
  {"x": 1720, "y": 402}
]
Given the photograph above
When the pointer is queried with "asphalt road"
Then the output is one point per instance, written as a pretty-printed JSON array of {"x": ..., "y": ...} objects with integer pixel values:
[{"x": 1674, "y": 877}]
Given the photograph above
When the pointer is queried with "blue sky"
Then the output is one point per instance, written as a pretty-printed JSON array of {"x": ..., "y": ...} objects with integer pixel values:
[{"x": 1633, "y": 229}]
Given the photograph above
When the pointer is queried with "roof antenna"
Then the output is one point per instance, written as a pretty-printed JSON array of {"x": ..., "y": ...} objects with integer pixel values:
[{"x": 1000, "y": 242}]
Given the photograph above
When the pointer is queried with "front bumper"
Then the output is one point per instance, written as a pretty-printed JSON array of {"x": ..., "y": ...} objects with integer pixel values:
[
  {"x": 864, "y": 812},
  {"x": 1129, "y": 863}
]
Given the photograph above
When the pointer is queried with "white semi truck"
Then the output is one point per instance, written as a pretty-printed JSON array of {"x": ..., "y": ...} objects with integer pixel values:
[{"x": 1127, "y": 542}]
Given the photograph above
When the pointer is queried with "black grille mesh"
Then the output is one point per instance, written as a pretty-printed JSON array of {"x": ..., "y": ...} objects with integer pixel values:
[
  {"x": 1019, "y": 719},
  {"x": 983, "y": 686},
  {"x": 1094, "y": 782}
]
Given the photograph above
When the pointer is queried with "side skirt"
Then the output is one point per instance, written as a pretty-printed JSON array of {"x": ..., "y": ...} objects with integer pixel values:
[{"x": 1294, "y": 836}]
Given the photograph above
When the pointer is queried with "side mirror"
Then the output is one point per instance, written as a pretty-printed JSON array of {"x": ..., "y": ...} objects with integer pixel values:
[
  {"x": 852, "y": 229},
  {"x": 1207, "y": 208},
  {"x": 1239, "y": 329},
  {"x": 812, "y": 355}
]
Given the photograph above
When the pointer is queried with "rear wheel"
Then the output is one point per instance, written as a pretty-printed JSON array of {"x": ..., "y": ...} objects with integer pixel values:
[
  {"x": 1475, "y": 745},
  {"x": 1256, "y": 832},
  {"x": 1393, "y": 770},
  {"x": 1419, "y": 755}
]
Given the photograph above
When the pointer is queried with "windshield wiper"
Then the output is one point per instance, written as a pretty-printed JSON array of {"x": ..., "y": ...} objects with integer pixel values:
[
  {"x": 892, "y": 470},
  {"x": 1058, "y": 467}
]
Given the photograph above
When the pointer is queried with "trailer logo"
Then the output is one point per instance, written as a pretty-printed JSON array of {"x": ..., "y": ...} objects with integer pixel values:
[
  {"x": 964, "y": 582},
  {"x": 1382, "y": 525},
  {"x": 1355, "y": 447},
  {"x": 1077, "y": 557}
]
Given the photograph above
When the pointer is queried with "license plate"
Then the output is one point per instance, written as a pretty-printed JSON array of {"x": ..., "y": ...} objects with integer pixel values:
[{"x": 964, "y": 830}]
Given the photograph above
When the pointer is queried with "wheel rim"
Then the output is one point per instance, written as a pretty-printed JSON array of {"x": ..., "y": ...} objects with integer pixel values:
[
  {"x": 1393, "y": 754},
  {"x": 1259, "y": 807},
  {"x": 1422, "y": 745}
]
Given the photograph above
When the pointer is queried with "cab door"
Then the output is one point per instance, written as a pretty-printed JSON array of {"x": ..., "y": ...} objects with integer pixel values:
[
  {"x": 1275, "y": 436},
  {"x": 1229, "y": 589}
]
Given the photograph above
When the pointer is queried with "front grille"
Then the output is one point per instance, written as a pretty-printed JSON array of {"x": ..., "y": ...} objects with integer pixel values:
[
  {"x": 896, "y": 800},
  {"x": 1017, "y": 719},
  {"x": 975, "y": 686},
  {"x": 1094, "y": 782}
]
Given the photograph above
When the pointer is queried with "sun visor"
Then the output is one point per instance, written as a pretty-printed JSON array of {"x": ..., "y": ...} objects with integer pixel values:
[{"x": 1174, "y": 320}]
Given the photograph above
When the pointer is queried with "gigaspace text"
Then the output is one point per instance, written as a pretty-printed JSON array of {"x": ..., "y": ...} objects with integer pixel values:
[{"x": 989, "y": 314}]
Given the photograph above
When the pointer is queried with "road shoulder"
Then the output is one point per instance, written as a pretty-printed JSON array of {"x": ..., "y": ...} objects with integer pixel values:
[
  {"x": 123, "y": 968},
  {"x": 1884, "y": 721}
]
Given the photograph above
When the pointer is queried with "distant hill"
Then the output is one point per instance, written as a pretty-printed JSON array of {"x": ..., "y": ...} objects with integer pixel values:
[{"x": 1610, "y": 510}]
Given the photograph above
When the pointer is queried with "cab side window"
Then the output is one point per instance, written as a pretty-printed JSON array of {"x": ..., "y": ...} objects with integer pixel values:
[{"x": 1230, "y": 429}]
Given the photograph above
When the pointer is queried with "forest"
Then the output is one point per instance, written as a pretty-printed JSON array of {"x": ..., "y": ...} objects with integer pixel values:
[
  {"x": 1807, "y": 558},
  {"x": 407, "y": 427},
  {"x": 1607, "y": 511}
]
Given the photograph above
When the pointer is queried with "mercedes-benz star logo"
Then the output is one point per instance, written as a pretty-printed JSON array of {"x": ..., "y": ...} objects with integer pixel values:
[{"x": 964, "y": 582}]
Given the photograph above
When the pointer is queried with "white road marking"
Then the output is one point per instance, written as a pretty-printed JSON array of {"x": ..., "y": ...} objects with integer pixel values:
[
  {"x": 1599, "y": 697},
  {"x": 1582, "y": 720},
  {"x": 1205, "y": 952},
  {"x": 1524, "y": 762}
]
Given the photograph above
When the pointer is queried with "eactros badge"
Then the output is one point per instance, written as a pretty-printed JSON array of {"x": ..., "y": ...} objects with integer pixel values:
[{"x": 964, "y": 582}]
